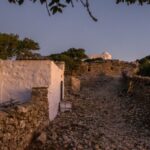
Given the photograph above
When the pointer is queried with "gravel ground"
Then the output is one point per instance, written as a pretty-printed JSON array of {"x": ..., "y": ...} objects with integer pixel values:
[{"x": 96, "y": 122}]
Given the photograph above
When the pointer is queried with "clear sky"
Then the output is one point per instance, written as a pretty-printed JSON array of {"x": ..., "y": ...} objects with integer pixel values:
[{"x": 123, "y": 31}]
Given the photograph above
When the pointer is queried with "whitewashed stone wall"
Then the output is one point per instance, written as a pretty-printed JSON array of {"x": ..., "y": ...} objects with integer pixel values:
[
  {"x": 18, "y": 77},
  {"x": 54, "y": 93}
]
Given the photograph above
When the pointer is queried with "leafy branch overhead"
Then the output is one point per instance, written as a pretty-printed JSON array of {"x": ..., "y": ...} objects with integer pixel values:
[
  {"x": 129, "y": 2},
  {"x": 57, "y": 6}
]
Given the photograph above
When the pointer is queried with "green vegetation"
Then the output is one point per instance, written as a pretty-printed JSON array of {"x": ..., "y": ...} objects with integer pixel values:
[
  {"x": 99, "y": 60},
  {"x": 144, "y": 66},
  {"x": 72, "y": 58},
  {"x": 11, "y": 45}
]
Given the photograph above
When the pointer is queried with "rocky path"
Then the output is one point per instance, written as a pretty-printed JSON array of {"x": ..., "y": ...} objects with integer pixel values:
[{"x": 95, "y": 123}]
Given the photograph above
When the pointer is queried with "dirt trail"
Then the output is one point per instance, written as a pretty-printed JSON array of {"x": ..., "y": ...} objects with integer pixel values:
[{"x": 96, "y": 122}]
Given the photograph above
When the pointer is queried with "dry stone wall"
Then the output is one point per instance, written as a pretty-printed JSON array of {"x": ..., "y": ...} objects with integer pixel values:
[
  {"x": 139, "y": 86},
  {"x": 109, "y": 67},
  {"x": 138, "y": 91},
  {"x": 95, "y": 70},
  {"x": 19, "y": 124}
]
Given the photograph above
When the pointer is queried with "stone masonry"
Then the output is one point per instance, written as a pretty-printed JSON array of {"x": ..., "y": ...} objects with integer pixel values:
[{"x": 19, "y": 124}]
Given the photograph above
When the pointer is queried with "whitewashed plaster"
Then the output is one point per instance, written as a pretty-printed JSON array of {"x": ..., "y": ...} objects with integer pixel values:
[
  {"x": 18, "y": 77},
  {"x": 57, "y": 75}
]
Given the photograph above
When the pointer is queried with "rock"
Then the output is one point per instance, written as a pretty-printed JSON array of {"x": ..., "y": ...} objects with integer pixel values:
[
  {"x": 97, "y": 147},
  {"x": 79, "y": 147},
  {"x": 22, "y": 124},
  {"x": 54, "y": 136},
  {"x": 5, "y": 148},
  {"x": 3, "y": 115},
  {"x": 75, "y": 84},
  {"x": 66, "y": 138},
  {"x": 22, "y": 109},
  {"x": 42, "y": 137}
]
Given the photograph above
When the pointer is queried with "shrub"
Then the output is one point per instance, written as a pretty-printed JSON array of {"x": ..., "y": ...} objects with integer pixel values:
[
  {"x": 144, "y": 66},
  {"x": 99, "y": 60},
  {"x": 71, "y": 57}
]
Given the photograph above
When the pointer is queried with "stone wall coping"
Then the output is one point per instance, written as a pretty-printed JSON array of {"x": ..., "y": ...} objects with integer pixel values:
[
  {"x": 40, "y": 87},
  {"x": 139, "y": 78}
]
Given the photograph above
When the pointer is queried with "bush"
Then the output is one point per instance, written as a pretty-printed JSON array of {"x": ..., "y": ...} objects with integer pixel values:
[
  {"x": 71, "y": 57},
  {"x": 144, "y": 66},
  {"x": 99, "y": 60}
]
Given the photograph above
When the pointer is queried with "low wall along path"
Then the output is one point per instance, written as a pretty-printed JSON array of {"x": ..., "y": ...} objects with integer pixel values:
[{"x": 20, "y": 123}]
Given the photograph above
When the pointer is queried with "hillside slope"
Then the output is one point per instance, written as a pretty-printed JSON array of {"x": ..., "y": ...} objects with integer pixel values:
[{"x": 96, "y": 121}]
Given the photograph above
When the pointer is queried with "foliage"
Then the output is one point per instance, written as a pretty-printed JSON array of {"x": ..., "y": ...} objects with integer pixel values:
[
  {"x": 30, "y": 56},
  {"x": 76, "y": 54},
  {"x": 11, "y": 45},
  {"x": 95, "y": 60},
  {"x": 72, "y": 58},
  {"x": 57, "y": 6},
  {"x": 129, "y": 2},
  {"x": 144, "y": 59},
  {"x": 144, "y": 66}
]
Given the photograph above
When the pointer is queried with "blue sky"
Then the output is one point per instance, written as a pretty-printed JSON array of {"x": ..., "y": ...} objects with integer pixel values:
[{"x": 123, "y": 31}]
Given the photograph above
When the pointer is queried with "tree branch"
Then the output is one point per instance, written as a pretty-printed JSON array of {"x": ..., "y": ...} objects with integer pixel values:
[
  {"x": 89, "y": 11},
  {"x": 47, "y": 8},
  {"x": 58, "y": 8},
  {"x": 72, "y": 3},
  {"x": 87, "y": 6}
]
